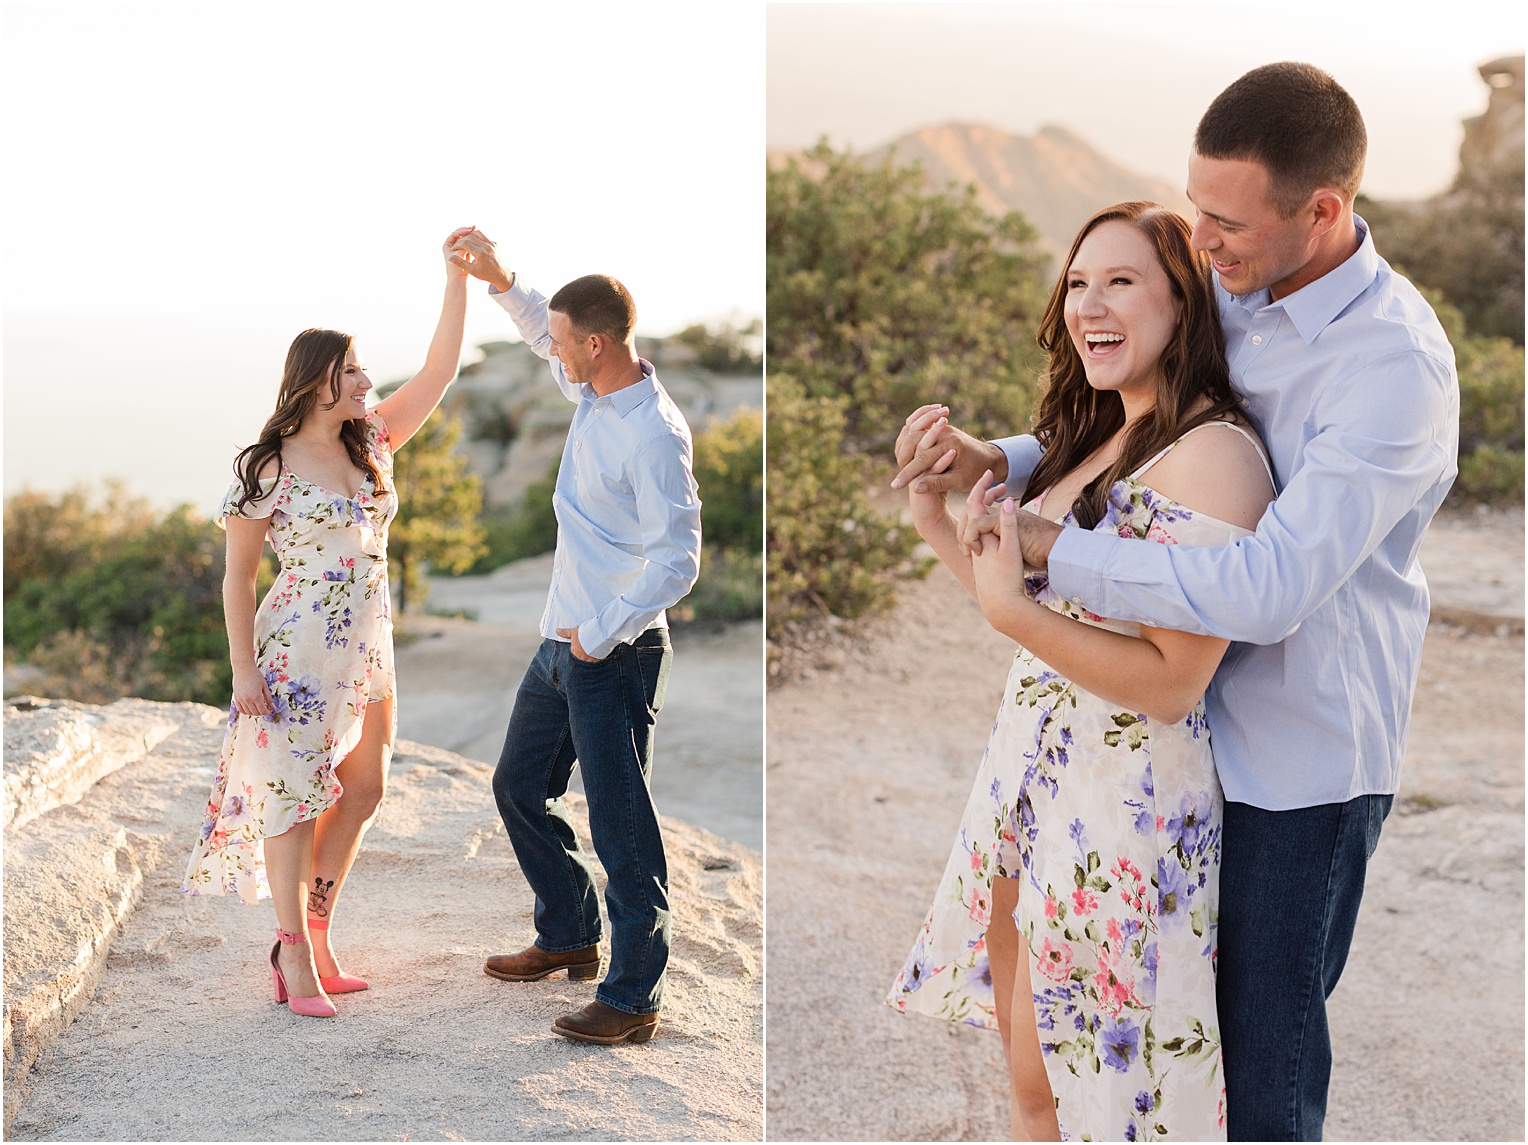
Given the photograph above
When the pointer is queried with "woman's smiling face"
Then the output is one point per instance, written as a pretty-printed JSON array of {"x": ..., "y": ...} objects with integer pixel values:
[{"x": 1121, "y": 312}]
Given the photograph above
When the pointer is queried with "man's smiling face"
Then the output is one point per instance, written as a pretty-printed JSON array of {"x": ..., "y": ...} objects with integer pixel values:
[{"x": 1238, "y": 224}]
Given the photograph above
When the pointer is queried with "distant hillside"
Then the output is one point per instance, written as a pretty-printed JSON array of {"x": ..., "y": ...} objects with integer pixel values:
[{"x": 1055, "y": 178}]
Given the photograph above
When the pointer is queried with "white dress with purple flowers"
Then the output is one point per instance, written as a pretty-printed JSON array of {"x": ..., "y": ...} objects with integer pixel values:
[
  {"x": 324, "y": 642},
  {"x": 1111, "y": 823}
]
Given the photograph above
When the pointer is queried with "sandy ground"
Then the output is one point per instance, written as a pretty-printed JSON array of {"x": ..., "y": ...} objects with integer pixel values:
[
  {"x": 183, "y": 1041},
  {"x": 457, "y": 685},
  {"x": 871, "y": 749}
]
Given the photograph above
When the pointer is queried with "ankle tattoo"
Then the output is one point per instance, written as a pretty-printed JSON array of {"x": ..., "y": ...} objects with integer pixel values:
[{"x": 318, "y": 897}]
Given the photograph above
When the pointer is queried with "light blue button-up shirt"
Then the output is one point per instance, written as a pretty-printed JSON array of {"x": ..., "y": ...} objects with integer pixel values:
[
  {"x": 1350, "y": 380},
  {"x": 628, "y": 512}
]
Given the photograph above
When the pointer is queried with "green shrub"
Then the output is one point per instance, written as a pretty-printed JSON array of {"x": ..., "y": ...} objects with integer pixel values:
[
  {"x": 524, "y": 530},
  {"x": 439, "y": 500},
  {"x": 126, "y": 602},
  {"x": 829, "y": 552},
  {"x": 890, "y": 297}
]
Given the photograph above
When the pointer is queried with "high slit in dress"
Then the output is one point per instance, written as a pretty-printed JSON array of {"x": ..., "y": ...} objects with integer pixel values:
[
  {"x": 1111, "y": 822},
  {"x": 324, "y": 643}
]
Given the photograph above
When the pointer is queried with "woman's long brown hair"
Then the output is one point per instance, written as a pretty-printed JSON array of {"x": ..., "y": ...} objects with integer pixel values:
[
  {"x": 1075, "y": 419},
  {"x": 315, "y": 357}
]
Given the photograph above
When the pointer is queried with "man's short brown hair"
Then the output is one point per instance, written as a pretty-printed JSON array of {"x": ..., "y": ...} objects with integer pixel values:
[
  {"x": 1296, "y": 121},
  {"x": 597, "y": 304}
]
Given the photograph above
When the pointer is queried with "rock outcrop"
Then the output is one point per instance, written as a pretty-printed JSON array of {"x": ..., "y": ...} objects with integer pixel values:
[
  {"x": 132, "y": 1011},
  {"x": 1495, "y": 137},
  {"x": 515, "y": 419}
]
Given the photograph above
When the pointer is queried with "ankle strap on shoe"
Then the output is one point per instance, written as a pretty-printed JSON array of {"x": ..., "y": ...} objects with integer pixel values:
[
  {"x": 318, "y": 924},
  {"x": 289, "y": 938}
]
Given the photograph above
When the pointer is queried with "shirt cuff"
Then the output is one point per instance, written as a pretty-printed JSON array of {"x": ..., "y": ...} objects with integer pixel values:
[
  {"x": 1023, "y": 454},
  {"x": 517, "y": 297},
  {"x": 593, "y": 642},
  {"x": 1075, "y": 565}
]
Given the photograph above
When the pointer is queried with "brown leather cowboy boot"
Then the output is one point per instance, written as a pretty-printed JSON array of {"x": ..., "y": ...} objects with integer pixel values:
[
  {"x": 606, "y": 1025},
  {"x": 533, "y": 964}
]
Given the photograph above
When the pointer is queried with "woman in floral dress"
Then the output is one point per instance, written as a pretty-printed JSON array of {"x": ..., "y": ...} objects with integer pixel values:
[
  {"x": 1077, "y": 912},
  {"x": 310, "y": 728}
]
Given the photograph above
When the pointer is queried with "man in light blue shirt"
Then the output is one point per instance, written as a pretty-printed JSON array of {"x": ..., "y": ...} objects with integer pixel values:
[
  {"x": 628, "y": 547},
  {"x": 1350, "y": 380}
]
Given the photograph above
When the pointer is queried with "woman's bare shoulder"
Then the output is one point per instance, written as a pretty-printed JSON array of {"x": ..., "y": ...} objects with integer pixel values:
[{"x": 1218, "y": 470}]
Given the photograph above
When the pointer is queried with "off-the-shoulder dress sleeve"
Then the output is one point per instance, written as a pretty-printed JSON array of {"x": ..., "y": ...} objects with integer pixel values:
[{"x": 256, "y": 510}]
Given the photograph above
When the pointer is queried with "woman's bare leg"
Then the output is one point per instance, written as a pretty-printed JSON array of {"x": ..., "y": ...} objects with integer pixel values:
[
  {"x": 337, "y": 836},
  {"x": 1003, "y": 947},
  {"x": 288, "y": 866},
  {"x": 1026, "y": 1063}
]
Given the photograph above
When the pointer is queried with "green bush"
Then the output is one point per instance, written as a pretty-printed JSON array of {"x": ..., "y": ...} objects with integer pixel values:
[
  {"x": 439, "y": 500},
  {"x": 124, "y": 602},
  {"x": 524, "y": 530},
  {"x": 1490, "y": 410},
  {"x": 830, "y": 552},
  {"x": 881, "y": 297},
  {"x": 890, "y": 297},
  {"x": 724, "y": 347}
]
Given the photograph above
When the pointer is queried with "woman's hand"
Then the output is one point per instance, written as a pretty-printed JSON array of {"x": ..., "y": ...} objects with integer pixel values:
[
  {"x": 251, "y": 694},
  {"x": 998, "y": 567},
  {"x": 978, "y": 518},
  {"x": 458, "y": 261},
  {"x": 475, "y": 253},
  {"x": 919, "y": 432}
]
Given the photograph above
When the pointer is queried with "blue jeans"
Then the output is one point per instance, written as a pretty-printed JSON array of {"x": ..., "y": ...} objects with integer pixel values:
[
  {"x": 601, "y": 715},
  {"x": 1290, "y": 885}
]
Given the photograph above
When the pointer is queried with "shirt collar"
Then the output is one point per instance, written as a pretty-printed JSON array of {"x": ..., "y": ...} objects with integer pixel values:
[
  {"x": 628, "y": 398},
  {"x": 1313, "y": 307}
]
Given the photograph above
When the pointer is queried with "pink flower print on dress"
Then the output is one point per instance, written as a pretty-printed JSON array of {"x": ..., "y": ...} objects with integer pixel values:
[
  {"x": 981, "y": 908},
  {"x": 262, "y": 740},
  {"x": 1051, "y": 907},
  {"x": 976, "y": 860},
  {"x": 1084, "y": 901},
  {"x": 1055, "y": 960}
]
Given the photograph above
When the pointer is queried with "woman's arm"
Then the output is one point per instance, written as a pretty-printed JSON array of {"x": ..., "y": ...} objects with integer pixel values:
[
  {"x": 930, "y": 510},
  {"x": 246, "y": 539},
  {"x": 410, "y": 405},
  {"x": 1163, "y": 672}
]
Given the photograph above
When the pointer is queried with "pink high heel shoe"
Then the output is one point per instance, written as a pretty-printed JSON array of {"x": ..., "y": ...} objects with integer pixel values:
[
  {"x": 317, "y": 1006},
  {"x": 336, "y": 983}
]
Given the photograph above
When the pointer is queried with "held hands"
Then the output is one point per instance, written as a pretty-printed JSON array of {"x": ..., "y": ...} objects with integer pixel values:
[
  {"x": 251, "y": 694},
  {"x": 578, "y": 648},
  {"x": 923, "y": 448},
  {"x": 457, "y": 268},
  {"x": 981, "y": 523},
  {"x": 919, "y": 433},
  {"x": 998, "y": 566},
  {"x": 474, "y": 252}
]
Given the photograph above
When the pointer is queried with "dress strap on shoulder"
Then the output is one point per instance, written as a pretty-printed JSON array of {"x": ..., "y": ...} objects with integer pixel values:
[{"x": 1251, "y": 437}]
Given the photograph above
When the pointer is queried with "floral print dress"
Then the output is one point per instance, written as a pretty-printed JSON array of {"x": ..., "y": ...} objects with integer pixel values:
[
  {"x": 324, "y": 642},
  {"x": 1111, "y": 823}
]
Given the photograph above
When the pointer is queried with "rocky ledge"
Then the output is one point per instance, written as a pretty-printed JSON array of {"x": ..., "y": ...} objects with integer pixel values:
[{"x": 135, "y": 1012}]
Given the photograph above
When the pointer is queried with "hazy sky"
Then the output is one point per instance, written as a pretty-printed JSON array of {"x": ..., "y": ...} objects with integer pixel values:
[
  {"x": 1132, "y": 79},
  {"x": 187, "y": 186}
]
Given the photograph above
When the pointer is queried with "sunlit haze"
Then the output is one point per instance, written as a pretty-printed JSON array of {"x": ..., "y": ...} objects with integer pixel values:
[
  {"x": 188, "y": 186},
  {"x": 1131, "y": 79}
]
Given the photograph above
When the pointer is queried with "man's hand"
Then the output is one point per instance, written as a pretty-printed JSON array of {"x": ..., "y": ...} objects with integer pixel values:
[
  {"x": 578, "y": 649},
  {"x": 982, "y": 520},
  {"x": 478, "y": 256},
  {"x": 920, "y": 462},
  {"x": 455, "y": 261}
]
